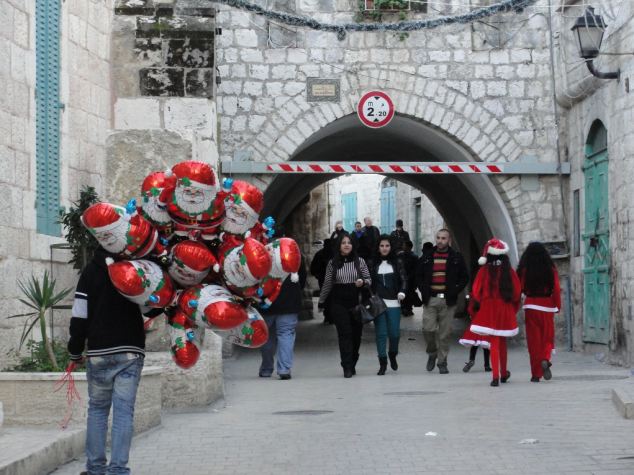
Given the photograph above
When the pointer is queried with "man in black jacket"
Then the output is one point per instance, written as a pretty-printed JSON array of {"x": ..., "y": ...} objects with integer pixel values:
[
  {"x": 281, "y": 319},
  {"x": 110, "y": 328},
  {"x": 441, "y": 275}
]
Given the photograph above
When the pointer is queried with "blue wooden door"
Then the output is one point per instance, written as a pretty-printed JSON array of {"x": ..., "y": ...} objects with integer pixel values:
[
  {"x": 388, "y": 215},
  {"x": 596, "y": 271},
  {"x": 349, "y": 206}
]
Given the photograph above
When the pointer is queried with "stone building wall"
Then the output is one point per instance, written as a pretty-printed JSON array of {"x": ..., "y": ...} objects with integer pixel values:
[
  {"x": 494, "y": 101},
  {"x": 84, "y": 121},
  {"x": 584, "y": 99}
]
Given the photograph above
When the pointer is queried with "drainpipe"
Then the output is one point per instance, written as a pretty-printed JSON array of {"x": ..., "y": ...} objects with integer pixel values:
[{"x": 568, "y": 312}]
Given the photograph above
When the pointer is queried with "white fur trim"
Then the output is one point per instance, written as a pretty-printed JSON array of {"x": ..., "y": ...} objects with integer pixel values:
[
  {"x": 109, "y": 261},
  {"x": 492, "y": 331},
  {"x": 216, "y": 268},
  {"x": 498, "y": 252},
  {"x": 468, "y": 343},
  {"x": 294, "y": 277},
  {"x": 482, "y": 260},
  {"x": 531, "y": 306}
]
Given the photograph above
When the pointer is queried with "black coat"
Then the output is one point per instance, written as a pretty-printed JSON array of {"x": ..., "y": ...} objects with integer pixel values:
[
  {"x": 457, "y": 276},
  {"x": 290, "y": 299},
  {"x": 319, "y": 263},
  {"x": 388, "y": 286}
]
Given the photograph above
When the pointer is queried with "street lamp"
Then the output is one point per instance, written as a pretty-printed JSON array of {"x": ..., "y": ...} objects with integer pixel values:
[{"x": 589, "y": 30}]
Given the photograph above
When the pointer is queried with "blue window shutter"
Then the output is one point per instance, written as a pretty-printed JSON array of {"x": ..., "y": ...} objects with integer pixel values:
[
  {"x": 47, "y": 121},
  {"x": 349, "y": 204}
]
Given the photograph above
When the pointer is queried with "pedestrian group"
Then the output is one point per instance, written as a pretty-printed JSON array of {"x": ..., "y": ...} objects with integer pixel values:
[{"x": 353, "y": 265}]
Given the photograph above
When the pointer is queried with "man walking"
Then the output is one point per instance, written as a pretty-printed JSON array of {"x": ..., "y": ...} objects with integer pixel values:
[
  {"x": 372, "y": 235},
  {"x": 111, "y": 327},
  {"x": 281, "y": 318},
  {"x": 399, "y": 236},
  {"x": 441, "y": 275}
]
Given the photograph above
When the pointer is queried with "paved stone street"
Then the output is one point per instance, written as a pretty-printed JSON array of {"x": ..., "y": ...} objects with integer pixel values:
[{"x": 384, "y": 425}]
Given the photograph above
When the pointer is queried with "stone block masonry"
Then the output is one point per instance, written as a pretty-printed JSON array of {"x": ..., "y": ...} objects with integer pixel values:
[{"x": 175, "y": 46}]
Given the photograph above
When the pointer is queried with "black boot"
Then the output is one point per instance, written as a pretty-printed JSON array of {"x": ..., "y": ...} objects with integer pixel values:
[
  {"x": 393, "y": 363},
  {"x": 347, "y": 372},
  {"x": 382, "y": 365}
]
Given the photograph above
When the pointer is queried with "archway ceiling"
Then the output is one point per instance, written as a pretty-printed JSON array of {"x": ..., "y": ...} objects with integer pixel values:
[{"x": 459, "y": 198}]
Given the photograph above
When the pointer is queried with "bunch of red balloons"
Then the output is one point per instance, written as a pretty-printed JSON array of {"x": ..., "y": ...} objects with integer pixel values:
[{"x": 197, "y": 250}]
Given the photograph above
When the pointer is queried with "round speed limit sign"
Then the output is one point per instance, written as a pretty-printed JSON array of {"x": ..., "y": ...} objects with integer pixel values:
[{"x": 375, "y": 109}]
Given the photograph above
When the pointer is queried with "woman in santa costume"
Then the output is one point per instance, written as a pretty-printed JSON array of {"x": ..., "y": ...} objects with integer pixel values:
[
  {"x": 540, "y": 285},
  {"x": 496, "y": 299}
]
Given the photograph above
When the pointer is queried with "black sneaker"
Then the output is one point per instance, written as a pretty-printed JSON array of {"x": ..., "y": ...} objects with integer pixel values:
[
  {"x": 347, "y": 373},
  {"x": 468, "y": 365},
  {"x": 506, "y": 378},
  {"x": 431, "y": 362},
  {"x": 534, "y": 379},
  {"x": 442, "y": 369},
  {"x": 546, "y": 369},
  {"x": 487, "y": 369},
  {"x": 285, "y": 376},
  {"x": 495, "y": 383}
]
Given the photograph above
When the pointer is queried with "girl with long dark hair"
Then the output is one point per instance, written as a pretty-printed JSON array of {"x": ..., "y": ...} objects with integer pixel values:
[
  {"x": 346, "y": 274},
  {"x": 540, "y": 285},
  {"x": 496, "y": 296},
  {"x": 389, "y": 281}
]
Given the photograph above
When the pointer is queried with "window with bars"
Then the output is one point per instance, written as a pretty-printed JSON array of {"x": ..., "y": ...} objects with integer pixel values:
[{"x": 47, "y": 122}]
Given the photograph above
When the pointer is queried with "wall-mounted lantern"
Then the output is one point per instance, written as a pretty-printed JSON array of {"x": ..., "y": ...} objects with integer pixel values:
[{"x": 588, "y": 31}]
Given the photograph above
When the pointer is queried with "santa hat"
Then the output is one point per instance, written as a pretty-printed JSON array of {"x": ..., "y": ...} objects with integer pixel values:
[
  {"x": 248, "y": 196},
  {"x": 157, "y": 181},
  {"x": 257, "y": 258},
  {"x": 101, "y": 217},
  {"x": 194, "y": 255},
  {"x": 193, "y": 173},
  {"x": 494, "y": 247}
]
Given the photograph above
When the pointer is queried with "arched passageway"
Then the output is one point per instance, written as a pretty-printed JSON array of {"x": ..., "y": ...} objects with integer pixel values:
[{"x": 470, "y": 204}]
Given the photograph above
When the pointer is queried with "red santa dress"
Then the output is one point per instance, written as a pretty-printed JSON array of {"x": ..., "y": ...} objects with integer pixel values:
[
  {"x": 539, "y": 312},
  {"x": 469, "y": 338},
  {"x": 495, "y": 316}
]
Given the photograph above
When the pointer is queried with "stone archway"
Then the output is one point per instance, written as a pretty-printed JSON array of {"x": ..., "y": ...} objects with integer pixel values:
[{"x": 470, "y": 204}]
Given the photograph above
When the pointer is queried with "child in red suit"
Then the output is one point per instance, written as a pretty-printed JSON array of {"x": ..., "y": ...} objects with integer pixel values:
[
  {"x": 473, "y": 341},
  {"x": 540, "y": 284},
  {"x": 496, "y": 299}
]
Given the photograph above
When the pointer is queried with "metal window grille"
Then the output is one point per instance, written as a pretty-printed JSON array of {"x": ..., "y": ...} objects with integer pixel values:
[{"x": 47, "y": 121}]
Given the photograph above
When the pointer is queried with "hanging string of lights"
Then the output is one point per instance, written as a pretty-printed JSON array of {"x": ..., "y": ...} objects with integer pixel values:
[{"x": 341, "y": 29}]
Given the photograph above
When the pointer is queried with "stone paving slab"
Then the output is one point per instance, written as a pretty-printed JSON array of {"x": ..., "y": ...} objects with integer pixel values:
[
  {"x": 38, "y": 451},
  {"x": 377, "y": 425}
]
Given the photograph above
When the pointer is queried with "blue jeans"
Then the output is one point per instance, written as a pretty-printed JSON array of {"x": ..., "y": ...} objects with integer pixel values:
[
  {"x": 112, "y": 381},
  {"x": 388, "y": 325},
  {"x": 282, "y": 333}
]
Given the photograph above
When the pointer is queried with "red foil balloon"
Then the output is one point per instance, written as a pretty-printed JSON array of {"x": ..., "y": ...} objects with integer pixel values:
[
  {"x": 141, "y": 281},
  {"x": 213, "y": 306},
  {"x": 243, "y": 205},
  {"x": 285, "y": 257},
  {"x": 185, "y": 340},
  {"x": 244, "y": 266},
  {"x": 118, "y": 232},
  {"x": 191, "y": 261},
  {"x": 151, "y": 189},
  {"x": 253, "y": 333},
  {"x": 194, "y": 201}
]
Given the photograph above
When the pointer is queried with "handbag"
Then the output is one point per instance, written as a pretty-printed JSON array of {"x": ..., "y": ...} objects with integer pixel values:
[{"x": 366, "y": 312}]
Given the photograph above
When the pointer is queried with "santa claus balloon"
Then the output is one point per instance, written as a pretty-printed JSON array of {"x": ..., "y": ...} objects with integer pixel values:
[
  {"x": 244, "y": 266},
  {"x": 194, "y": 202},
  {"x": 141, "y": 281},
  {"x": 185, "y": 340},
  {"x": 191, "y": 261},
  {"x": 119, "y": 230},
  {"x": 212, "y": 306},
  {"x": 253, "y": 333},
  {"x": 243, "y": 205},
  {"x": 151, "y": 209}
]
